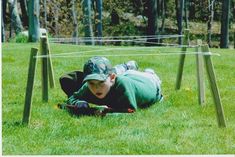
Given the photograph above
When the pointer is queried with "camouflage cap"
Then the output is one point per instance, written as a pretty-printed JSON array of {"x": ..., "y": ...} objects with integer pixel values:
[{"x": 97, "y": 68}]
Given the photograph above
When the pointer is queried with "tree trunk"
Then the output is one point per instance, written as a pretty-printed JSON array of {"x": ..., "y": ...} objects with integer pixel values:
[
  {"x": 87, "y": 22},
  {"x": 115, "y": 20},
  {"x": 34, "y": 25},
  {"x": 99, "y": 19},
  {"x": 163, "y": 4},
  {"x": 15, "y": 18},
  {"x": 152, "y": 28},
  {"x": 233, "y": 11},
  {"x": 4, "y": 9},
  {"x": 192, "y": 10},
  {"x": 210, "y": 20},
  {"x": 162, "y": 14},
  {"x": 45, "y": 13},
  {"x": 75, "y": 21},
  {"x": 186, "y": 13},
  {"x": 224, "y": 37},
  {"x": 231, "y": 17},
  {"x": 25, "y": 18},
  {"x": 2, "y": 27},
  {"x": 159, "y": 9},
  {"x": 179, "y": 17},
  {"x": 56, "y": 18}
]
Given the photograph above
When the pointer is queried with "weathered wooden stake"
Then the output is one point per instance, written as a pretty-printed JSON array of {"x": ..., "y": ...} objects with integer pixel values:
[
  {"x": 200, "y": 74},
  {"x": 29, "y": 88},
  {"x": 50, "y": 66},
  {"x": 182, "y": 58},
  {"x": 43, "y": 45},
  {"x": 214, "y": 88}
]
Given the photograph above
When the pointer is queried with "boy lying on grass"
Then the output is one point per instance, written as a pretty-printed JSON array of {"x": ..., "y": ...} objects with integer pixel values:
[{"x": 118, "y": 89}]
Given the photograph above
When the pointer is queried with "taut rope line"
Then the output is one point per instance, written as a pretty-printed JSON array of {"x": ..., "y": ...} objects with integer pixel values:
[{"x": 143, "y": 54}]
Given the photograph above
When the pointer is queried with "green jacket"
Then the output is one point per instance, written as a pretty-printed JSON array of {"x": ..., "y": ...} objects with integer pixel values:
[{"x": 129, "y": 91}]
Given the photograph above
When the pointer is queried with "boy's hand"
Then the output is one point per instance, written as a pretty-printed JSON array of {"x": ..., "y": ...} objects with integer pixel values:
[
  {"x": 81, "y": 104},
  {"x": 77, "y": 104},
  {"x": 78, "y": 108}
]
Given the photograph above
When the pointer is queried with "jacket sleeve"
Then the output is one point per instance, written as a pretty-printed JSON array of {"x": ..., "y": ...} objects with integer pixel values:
[{"x": 78, "y": 96}]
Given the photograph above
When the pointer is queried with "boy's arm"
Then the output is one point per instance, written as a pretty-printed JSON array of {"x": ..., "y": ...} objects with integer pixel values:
[
  {"x": 78, "y": 96},
  {"x": 76, "y": 105}
]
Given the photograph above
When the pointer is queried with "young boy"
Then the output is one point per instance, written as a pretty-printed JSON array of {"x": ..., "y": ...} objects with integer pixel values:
[{"x": 116, "y": 90}]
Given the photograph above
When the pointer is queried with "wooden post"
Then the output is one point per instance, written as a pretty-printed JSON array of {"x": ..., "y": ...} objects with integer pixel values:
[
  {"x": 213, "y": 85},
  {"x": 44, "y": 49},
  {"x": 200, "y": 74},
  {"x": 182, "y": 58},
  {"x": 50, "y": 66},
  {"x": 29, "y": 88}
]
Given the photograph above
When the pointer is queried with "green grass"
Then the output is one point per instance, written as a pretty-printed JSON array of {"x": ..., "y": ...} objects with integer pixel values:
[{"x": 179, "y": 125}]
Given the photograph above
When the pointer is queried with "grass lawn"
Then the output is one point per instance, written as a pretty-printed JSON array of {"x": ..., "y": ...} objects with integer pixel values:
[{"x": 179, "y": 125}]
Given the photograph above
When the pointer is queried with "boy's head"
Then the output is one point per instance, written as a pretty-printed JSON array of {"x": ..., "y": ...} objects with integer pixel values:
[{"x": 99, "y": 76}]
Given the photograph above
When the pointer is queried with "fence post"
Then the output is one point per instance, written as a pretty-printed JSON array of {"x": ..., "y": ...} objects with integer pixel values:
[
  {"x": 182, "y": 58},
  {"x": 213, "y": 85},
  {"x": 30, "y": 83},
  {"x": 200, "y": 74},
  {"x": 50, "y": 66},
  {"x": 43, "y": 46}
]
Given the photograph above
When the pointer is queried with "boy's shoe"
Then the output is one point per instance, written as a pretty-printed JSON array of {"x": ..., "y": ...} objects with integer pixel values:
[
  {"x": 151, "y": 71},
  {"x": 132, "y": 65}
]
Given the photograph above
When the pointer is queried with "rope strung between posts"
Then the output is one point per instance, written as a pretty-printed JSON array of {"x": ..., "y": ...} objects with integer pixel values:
[
  {"x": 132, "y": 39},
  {"x": 140, "y": 41},
  {"x": 133, "y": 54},
  {"x": 124, "y": 37},
  {"x": 159, "y": 44},
  {"x": 118, "y": 48}
]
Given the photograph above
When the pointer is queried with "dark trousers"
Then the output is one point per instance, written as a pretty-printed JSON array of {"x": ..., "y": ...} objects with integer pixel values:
[{"x": 71, "y": 82}]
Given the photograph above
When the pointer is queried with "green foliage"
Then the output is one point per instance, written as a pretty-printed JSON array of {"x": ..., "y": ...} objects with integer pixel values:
[
  {"x": 20, "y": 38},
  {"x": 125, "y": 29},
  {"x": 62, "y": 10},
  {"x": 178, "y": 125}
]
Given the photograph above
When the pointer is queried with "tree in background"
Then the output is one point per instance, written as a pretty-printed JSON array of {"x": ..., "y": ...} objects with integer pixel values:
[
  {"x": 210, "y": 20},
  {"x": 75, "y": 21},
  {"x": 119, "y": 18},
  {"x": 163, "y": 15},
  {"x": 186, "y": 5},
  {"x": 224, "y": 36},
  {"x": 55, "y": 10},
  {"x": 45, "y": 14},
  {"x": 152, "y": 27},
  {"x": 98, "y": 18},
  {"x": 4, "y": 8},
  {"x": 179, "y": 4},
  {"x": 16, "y": 23},
  {"x": 87, "y": 21},
  {"x": 34, "y": 25},
  {"x": 25, "y": 18},
  {"x": 3, "y": 4}
]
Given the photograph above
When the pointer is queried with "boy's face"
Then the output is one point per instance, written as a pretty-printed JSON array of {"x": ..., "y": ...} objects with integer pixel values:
[{"x": 100, "y": 88}]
